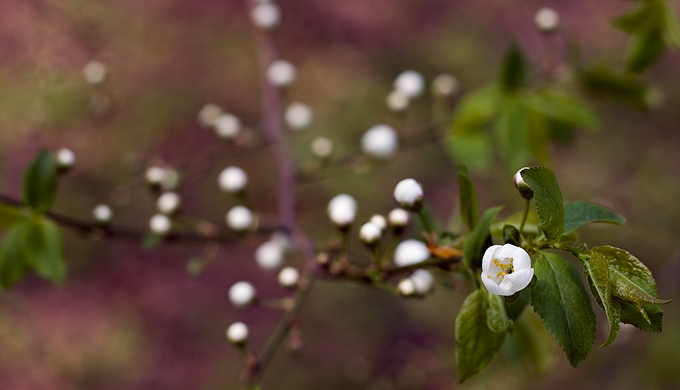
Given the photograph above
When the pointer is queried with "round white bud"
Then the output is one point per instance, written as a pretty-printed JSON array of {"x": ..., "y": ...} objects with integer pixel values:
[
  {"x": 445, "y": 85},
  {"x": 524, "y": 190},
  {"x": 398, "y": 217},
  {"x": 288, "y": 277},
  {"x": 209, "y": 114},
  {"x": 298, "y": 116},
  {"x": 94, "y": 72},
  {"x": 65, "y": 158},
  {"x": 342, "y": 210},
  {"x": 408, "y": 193},
  {"x": 281, "y": 73},
  {"x": 265, "y": 15},
  {"x": 547, "y": 19},
  {"x": 237, "y": 333},
  {"x": 270, "y": 255},
  {"x": 242, "y": 294},
  {"x": 410, "y": 83},
  {"x": 156, "y": 176},
  {"x": 160, "y": 224},
  {"x": 240, "y": 218},
  {"x": 168, "y": 203},
  {"x": 423, "y": 281},
  {"x": 102, "y": 213},
  {"x": 322, "y": 147},
  {"x": 232, "y": 180},
  {"x": 227, "y": 126},
  {"x": 410, "y": 252},
  {"x": 397, "y": 101},
  {"x": 379, "y": 221},
  {"x": 380, "y": 141},
  {"x": 370, "y": 233},
  {"x": 407, "y": 287}
]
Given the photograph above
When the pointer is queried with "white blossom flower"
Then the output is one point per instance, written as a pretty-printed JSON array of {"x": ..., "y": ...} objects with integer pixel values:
[
  {"x": 298, "y": 116},
  {"x": 240, "y": 218},
  {"x": 445, "y": 85},
  {"x": 209, "y": 114},
  {"x": 102, "y": 213},
  {"x": 408, "y": 193},
  {"x": 379, "y": 221},
  {"x": 407, "y": 287},
  {"x": 322, "y": 147},
  {"x": 271, "y": 254},
  {"x": 506, "y": 269},
  {"x": 547, "y": 19},
  {"x": 397, "y": 101},
  {"x": 168, "y": 203},
  {"x": 410, "y": 252},
  {"x": 160, "y": 224},
  {"x": 380, "y": 141},
  {"x": 342, "y": 210},
  {"x": 227, "y": 126},
  {"x": 237, "y": 333},
  {"x": 398, "y": 218},
  {"x": 94, "y": 72},
  {"x": 242, "y": 294},
  {"x": 522, "y": 186},
  {"x": 265, "y": 15},
  {"x": 281, "y": 73},
  {"x": 288, "y": 277},
  {"x": 423, "y": 281},
  {"x": 232, "y": 180},
  {"x": 410, "y": 83},
  {"x": 65, "y": 158},
  {"x": 370, "y": 233}
]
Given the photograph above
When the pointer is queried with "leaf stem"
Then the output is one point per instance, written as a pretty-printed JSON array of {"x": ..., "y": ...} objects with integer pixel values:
[{"x": 527, "y": 203}]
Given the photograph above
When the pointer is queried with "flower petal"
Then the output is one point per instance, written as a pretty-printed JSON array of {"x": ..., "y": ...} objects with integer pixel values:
[
  {"x": 518, "y": 280},
  {"x": 507, "y": 250},
  {"x": 494, "y": 288},
  {"x": 521, "y": 259},
  {"x": 488, "y": 256}
]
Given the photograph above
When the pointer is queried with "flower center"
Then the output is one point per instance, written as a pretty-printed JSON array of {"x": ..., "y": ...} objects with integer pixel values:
[{"x": 501, "y": 267}]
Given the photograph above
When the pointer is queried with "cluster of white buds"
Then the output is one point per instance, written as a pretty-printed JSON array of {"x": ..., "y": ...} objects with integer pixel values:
[
  {"x": 322, "y": 147},
  {"x": 370, "y": 234},
  {"x": 160, "y": 224},
  {"x": 232, "y": 180},
  {"x": 227, "y": 126},
  {"x": 208, "y": 114},
  {"x": 398, "y": 219},
  {"x": 445, "y": 85},
  {"x": 409, "y": 194},
  {"x": 102, "y": 214},
  {"x": 242, "y": 294},
  {"x": 397, "y": 101},
  {"x": 94, "y": 72},
  {"x": 547, "y": 19},
  {"x": 164, "y": 178},
  {"x": 65, "y": 158},
  {"x": 237, "y": 333},
  {"x": 419, "y": 283},
  {"x": 289, "y": 277},
  {"x": 379, "y": 221},
  {"x": 168, "y": 203},
  {"x": 298, "y": 116},
  {"x": 380, "y": 141},
  {"x": 524, "y": 190},
  {"x": 265, "y": 15},
  {"x": 410, "y": 83},
  {"x": 281, "y": 73},
  {"x": 342, "y": 210},
  {"x": 410, "y": 252},
  {"x": 240, "y": 219}
]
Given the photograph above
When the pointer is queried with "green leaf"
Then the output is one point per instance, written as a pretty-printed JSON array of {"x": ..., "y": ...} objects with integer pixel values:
[
  {"x": 515, "y": 220},
  {"x": 512, "y": 133},
  {"x": 469, "y": 204},
  {"x": 496, "y": 319},
  {"x": 40, "y": 182},
  {"x": 515, "y": 308},
  {"x": 43, "y": 249},
  {"x": 534, "y": 344},
  {"x": 477, "y": 344},
  {"x": 560, "y": 105},
  {"x": 651, "y": 321},
  {"x": 548, "y": 196},
  {"x": 561, "y": 300},
  {"x": 513, "y": 73},
  {"x": 10, "y": 215},
  {"x": 474, "y": 242},
  {"x": 644, "y": 50},
  {"x": 13, "y": 265},
  {"x": 578, "y": 213},
  {"x": 603, "y": 81},
  {"x": 474, "y": 149},
  {"x": 476, "y": 110},
  {"x": 671, "y": 26}
]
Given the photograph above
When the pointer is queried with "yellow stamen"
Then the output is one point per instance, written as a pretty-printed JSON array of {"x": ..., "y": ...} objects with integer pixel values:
[{"x": 488, "y": 276}]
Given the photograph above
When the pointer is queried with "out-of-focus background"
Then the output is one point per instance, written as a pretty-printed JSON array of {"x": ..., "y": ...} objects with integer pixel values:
[{"x": 134, "y": 319}]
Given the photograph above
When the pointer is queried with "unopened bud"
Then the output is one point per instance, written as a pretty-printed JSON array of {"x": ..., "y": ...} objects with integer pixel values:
[
  {"x": 407, "y": 288},
  {"x": 288, "y": 277},
  {"x": 266, "y": 15},
  {"x": 547, "y": 19},
  {"x": 322, "y": 147},
  {"x": 445, "y": 85},
  {"x": 160, "y": 224},
  {"x": 242, "y": 294},
  {"x": 281, "y": 73},
  {"x": 65, "y": 159},
  {"x": 398, "y": 220},
  {"x": 524, "y": 190},
  {"x": 232, "y": 180},
  {"x": 410, "y": 83},
  {"x": 379, "y": 221},
  {"x": 410, "y": 252},
  {"x": 342, "y": 210},
  {"x": 237, "y": 333},
  {"x": 380, "y": 141},
  {"x": 227, "y": 126},
  {"x": 102, "y": 214},
  {"x": 409, "y": 194},
  {"x": 370, "y": 234},
  {"x": 168, "y": 203},
  {"x": 240, "y": 218}
]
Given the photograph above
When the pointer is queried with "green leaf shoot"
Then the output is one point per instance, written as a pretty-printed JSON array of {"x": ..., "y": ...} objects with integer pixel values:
[
  {"x": 469, "y": 204},
  {"x": 40, "y": 182}
]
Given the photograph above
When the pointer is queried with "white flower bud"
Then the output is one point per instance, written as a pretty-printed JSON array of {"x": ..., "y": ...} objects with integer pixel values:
[
  {"x": 102, "y": 213},
  {"x": 232, "y": 180},
  {"x": 237, "y": 333},
  {"x": 423, "y": 281},
  {"x": 506, "y": 269},
  {"x": 288, "y": 277},
  {"x": 380, "y": 141},
  {"x": 242, "y": 294},
  {"x": 160, "y": 224},
  {"x": 94, "y": 72},
  {"x": 298, "y": 116},
  {"x": 209, "y": 114},
  {"x": 408, "y": 193},
  {"x": 281, "y": 73},
  {"x": 155, "y": 176},
  {"x": 410, "y": 83},
  {"x": 379, "y": 221},
  {"x": 270, "y": 255},
  {"x": 407, "y": 288},
  {"x": 370, "y": 233},
  {"x": 227, "y": 126},
  {"x": 342, "y": 210},
  {"x": 397, "y": 101},
  {"x": 398, "y": 217},
  {"x": 547, "y": 19},
  {"x": 322, "y": 147},
  {"x": 524, "y": 190},
  {"x": 240, "y": 218},
  {"x": 265, "y": 15},
  {"x": 410, "y": 252},
  {"x": 168, "y": 203},
  {"x": 65, "y": 158},
  {"x": 445, "y": 85}
]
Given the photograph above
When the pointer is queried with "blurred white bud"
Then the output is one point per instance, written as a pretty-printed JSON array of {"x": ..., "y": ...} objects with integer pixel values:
[
  {"x": 102, "y": 213},
  {"x": 265, "y": 15},
  {"x": 398, "y": 217},
  {"x": 209, "y": 114},
  {"x": 410, "y": 83},
  {"x": 407, "y": 288},
  {"x": 237, "y": 333},
  {"x": 380, "y": 142},
  {"x": 288, "y": 277},
  {"x": 160, "y": 224},
  {"x": 410, "y": 252},
  {"x": 408, "y": 193},
  {"x": 298, "y": 116},
  {"x": 342, "y": 210},
  {"x": 168, "y": 203},
  {"x": 524, "y": 190},
  {"x": 397, "y": 101},
  {"x": 445, "y": 85},
  {"x": 281, "y": 73},
  {"x": 322, "y": 147},
  {"x": 242, "y": 294},
  {"x": 547, "y": 19},
  {"x": 270, "y": 255},
  {"x": 232, "y": 180},
  {"x": 65, "y": 158},
  {"x": 240, "y": 218},
  {"x": 423, "y": 281},
  {"x": 370, "y": 233},
  {"x": 155, "y": 176},
  {"x": 171, "y": 180},
  {"x": 94, "y": 72},
  {"x": 227, "y": 126},
  {"x": 379, "y": 221}
]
